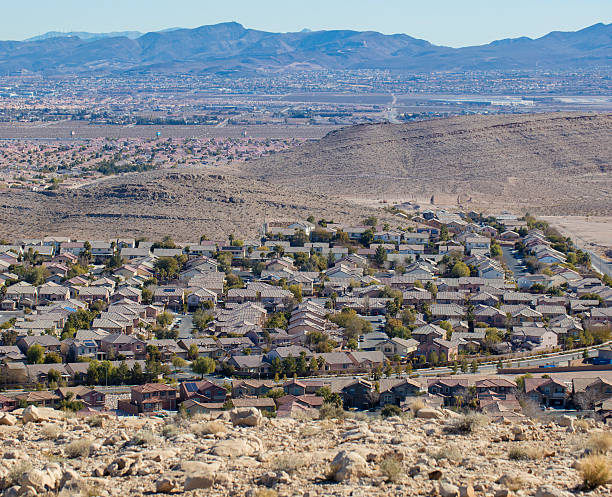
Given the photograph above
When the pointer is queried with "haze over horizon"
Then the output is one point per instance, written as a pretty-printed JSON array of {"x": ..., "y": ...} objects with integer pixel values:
[{"x": 449, "y": 23}]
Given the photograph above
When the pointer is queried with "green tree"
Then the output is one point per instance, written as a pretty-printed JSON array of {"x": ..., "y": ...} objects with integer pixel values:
[
  {"x": 296, "y": 290},
  {"x": 166, "y": 267},
  {"x": 53, "y": 358},
  {"x": 381, "y": 255},
  {"x": 203, "y": 365},
  {"x": 474, "y": 366},
  {"x": 193, "y": 352},
  {"x": 460, "y": 270},
  {"x": 35, "y": 354}
]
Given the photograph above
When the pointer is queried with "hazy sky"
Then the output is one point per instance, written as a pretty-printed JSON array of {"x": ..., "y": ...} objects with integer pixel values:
[{"x": 444, "y": 22}]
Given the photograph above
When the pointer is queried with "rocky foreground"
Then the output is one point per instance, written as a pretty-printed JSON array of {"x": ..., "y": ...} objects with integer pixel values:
[{"x": 45, "y": 452}]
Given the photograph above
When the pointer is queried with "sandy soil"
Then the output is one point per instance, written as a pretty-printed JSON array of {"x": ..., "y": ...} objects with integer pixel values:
[{"x": 594, "y": 233}]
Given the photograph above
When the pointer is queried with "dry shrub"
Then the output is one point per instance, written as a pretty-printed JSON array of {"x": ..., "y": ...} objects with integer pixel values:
[
  {"x": 330, "y": 411},
  {"x": 78, "y": 448},
  {"x": 208, "y": 428},
  {"x": 95, "y": 421},
  {"x": 453, "y": 454},
  {"x": 416, "y": 405},
  {"x": 170, "y": 430},
  {"x": 468, "y": 423},
  {"x": 391, "y": 468},
  {"x": 16, "y": 472},
  {"x": 289, "y": 463},
  {"x": 595, "y": 471},
  {"x": 50, "y": 431},
  {"x": 600, "y": 442},
  {"x": 144, "y": 437},
  {"x": 525, "y": 453},
  {"x": 582, "y": 425},
  {"x": 266, "y": 492}
]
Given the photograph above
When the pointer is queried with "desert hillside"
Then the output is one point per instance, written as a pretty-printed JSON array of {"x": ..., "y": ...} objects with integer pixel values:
[
  {"x": 183, "y": 204},
  {"x": 547, "y": 163},
  {"x": 244, "y": 454},
  {"x": 555, "y": 164}
]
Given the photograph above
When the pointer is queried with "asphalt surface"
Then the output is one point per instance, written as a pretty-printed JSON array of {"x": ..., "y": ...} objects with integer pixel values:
[
  {"x": 511, "y": 261},
  {"x": 186, "y": 325}
]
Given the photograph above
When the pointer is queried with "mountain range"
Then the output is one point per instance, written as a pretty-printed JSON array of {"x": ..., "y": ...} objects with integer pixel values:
[{"x": 232, "y": 48}]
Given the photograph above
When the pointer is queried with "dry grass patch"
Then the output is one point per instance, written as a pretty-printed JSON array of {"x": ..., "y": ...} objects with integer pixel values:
[
  {"x": 50, "y": 431},
  {"x": 78, "y": 448},
  {"x": 391, "y": 468},
  {"x": 416, "y": 405},
  {"x": 16, "y": 472},
  {"x": 453, "y": 454},
  {"x": 208, "y": 428},
  {"x": 525, "y": 453},
  {"x": 289, "y": 463},
  {"x": 468, "y": 423},
  {"x": 600, "y": 442},
  {"x": 266, "y": 492},
  {"x": 144, "y": 437},
  {"x": 595, "y": 471}
]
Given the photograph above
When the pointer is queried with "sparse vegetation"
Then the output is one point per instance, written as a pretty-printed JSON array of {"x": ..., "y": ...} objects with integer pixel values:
[
  {"x": 525, "y": 453},
  {"x": 391, "y": 468},
  {"x": 600, "y": 442},
  {"x": 468, "y": 423},
  {"x": 50, "y": 431},
  {"x": 595, "y": 471},
  {"x": 331, "y": 411},
  {"x": 78, "y": 448},
  {"x": 289, "y": 463}
]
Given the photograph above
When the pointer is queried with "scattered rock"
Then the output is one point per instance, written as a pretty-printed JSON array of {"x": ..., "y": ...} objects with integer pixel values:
[
  {"x": 429, "y": 413},
  {"x": 550, "y": 491},
  {"x": 448, "y": 490},
  {"x": 250, "y": 416},
  {"x": 164, "y": 485},
  {"x": 436, "y": 474},
  {"x": 8, "y": 419},
  {"x": 347, "y": 465}
]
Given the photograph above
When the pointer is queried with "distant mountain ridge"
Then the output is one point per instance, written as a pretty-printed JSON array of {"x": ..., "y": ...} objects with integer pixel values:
[{"x": 230, "y": 47}]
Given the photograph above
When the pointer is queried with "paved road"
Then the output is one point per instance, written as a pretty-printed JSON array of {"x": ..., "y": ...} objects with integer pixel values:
[
  {"x": 8, "y": 315},
  {"x": 186, "y": 326},
  {"x": 512, "y": 263},
  {"x": 599, "y": 264}
]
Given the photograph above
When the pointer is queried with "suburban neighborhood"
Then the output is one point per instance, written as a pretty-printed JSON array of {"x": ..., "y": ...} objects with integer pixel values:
[{"x": 447, "y": 307}]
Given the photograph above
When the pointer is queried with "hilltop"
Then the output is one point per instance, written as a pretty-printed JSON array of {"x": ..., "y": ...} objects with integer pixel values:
[
  {"x": 546, "y": 163},
  {"x": 230, "y": 47}
]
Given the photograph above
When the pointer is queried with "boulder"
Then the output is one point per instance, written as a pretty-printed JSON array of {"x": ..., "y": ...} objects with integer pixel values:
[
  {"x": 237, "y": 447},
  {"x": 200, "y": 476},
  {"x": 550, "y": 491},
  {"x": 31, "y": 414},
  {"x": 250, "y": 416},
  {"x": 467, "y": 491},
  {"x": 41, "y": 480},
  {"x": 8, "y": 419},
  {"x": 429, "y": 413},
  {"x": 448, "y": 490},
  {"x": 566, "y": 421},
  {"x": 164, "y": 485},
  {"x": 347, "y": 465}
]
